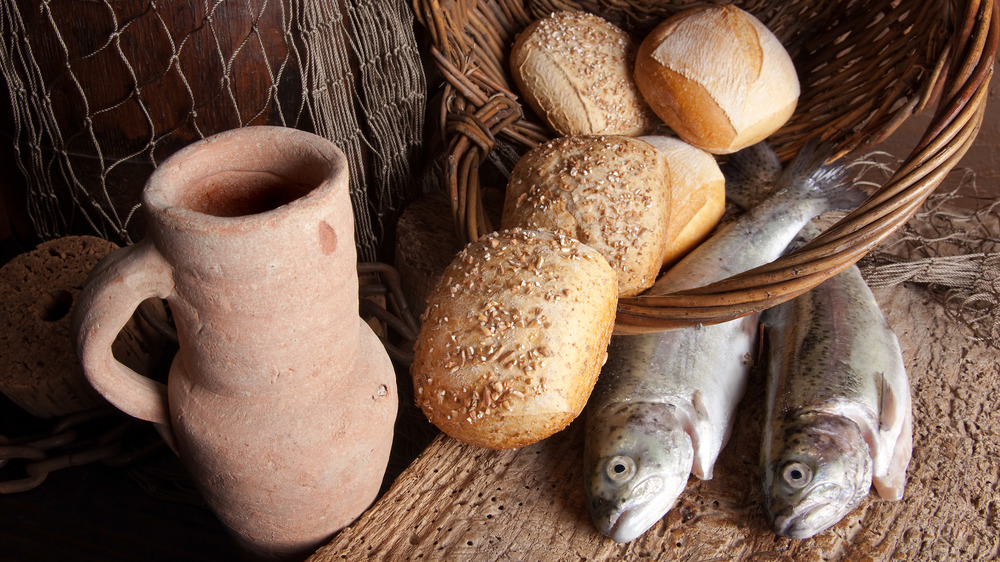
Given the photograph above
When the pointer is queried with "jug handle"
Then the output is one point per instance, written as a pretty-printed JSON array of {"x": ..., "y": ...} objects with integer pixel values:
[{"x": 115, "y": 288}]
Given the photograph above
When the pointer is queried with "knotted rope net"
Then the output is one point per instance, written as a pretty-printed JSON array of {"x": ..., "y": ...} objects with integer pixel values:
[
  {"x": 952, "y": 247},
  {"x": 101, "y": 92}
]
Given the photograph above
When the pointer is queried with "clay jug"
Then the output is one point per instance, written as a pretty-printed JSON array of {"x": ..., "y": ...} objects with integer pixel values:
[{"x": 281, "y": 400}]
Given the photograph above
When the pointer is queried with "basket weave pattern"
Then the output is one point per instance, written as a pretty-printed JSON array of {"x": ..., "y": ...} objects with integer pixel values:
[{"x": 864, "y": 66}]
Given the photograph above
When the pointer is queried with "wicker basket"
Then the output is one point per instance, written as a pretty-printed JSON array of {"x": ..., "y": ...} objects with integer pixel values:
[{"x": 864, "y": 65}]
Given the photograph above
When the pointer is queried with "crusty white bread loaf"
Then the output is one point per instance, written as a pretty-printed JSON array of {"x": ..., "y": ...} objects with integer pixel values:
[
  {"x": 718, "y": 77},
  {"x": 697, "y": 195},
  {"x": 609, "y": 192},
  {"x": 513, "y": 338},
  {"x": 575, "y": 71}
]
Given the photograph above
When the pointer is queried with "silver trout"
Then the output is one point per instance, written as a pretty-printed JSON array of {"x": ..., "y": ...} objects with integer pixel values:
[
  {"x": 839, "y": 414},
  {"x": 664, "y": 402}
]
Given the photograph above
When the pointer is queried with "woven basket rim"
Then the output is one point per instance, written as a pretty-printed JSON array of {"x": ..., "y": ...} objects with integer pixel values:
[{"x": 479, "y": 107}]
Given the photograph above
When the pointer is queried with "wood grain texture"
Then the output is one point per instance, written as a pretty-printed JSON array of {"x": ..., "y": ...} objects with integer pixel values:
[{"x": 458, "y": 502}]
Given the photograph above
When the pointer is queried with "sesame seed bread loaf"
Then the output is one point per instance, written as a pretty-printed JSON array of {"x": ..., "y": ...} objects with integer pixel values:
[
  {"x": 609, "y": 192},
  {"x": 718, "y": 77},
  {"x": 697, "y": 195},
  {"x": 574, "y": 69},
  {"x": 513, "y": 338}
]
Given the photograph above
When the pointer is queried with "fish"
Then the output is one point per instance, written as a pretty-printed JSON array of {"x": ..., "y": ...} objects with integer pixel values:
[
  {"x": 839, "y": 414},
  {"x": 663, "y": 406}
]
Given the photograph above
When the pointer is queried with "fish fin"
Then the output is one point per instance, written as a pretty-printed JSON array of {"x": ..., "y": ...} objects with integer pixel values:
[
  {"x": 750, "y": 174},
  {"x": 890, "y": 486},
  {"x": 886, "y": 403},
  {"x": 700, "y": 467},
  {"x": 889, "y": 412},
  {"x": 705, "y": 453},
  {"x": 894, "y": 409}
]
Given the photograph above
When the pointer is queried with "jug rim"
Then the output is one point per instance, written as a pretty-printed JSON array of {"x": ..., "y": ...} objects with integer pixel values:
[{"x": 188, "y": 190}]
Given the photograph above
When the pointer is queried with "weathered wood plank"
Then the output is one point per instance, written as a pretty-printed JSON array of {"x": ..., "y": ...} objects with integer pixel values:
[{"x": 459, "y": 502}]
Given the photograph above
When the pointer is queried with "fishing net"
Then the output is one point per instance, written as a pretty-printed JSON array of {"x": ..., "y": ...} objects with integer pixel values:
[
  {"x": 952, "y": 246},
  {"x": 101, "y": 92}
]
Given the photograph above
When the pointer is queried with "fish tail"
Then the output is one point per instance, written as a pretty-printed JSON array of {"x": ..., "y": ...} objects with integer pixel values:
[
  {"x": 812, "y": 174},
  {"x": 755, "y": 173}
]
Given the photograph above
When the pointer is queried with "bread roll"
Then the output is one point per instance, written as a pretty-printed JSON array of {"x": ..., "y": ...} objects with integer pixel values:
[
  {"x": 718, "y": 77},
  {"x": 697, "y": 195},
  {"x": 575, "y": 70},
  {"x": 609, "y": 192},
  {"x": 513, "y": 338}
]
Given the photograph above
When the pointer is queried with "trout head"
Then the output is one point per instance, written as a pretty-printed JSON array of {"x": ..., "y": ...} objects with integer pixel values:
[
  {"x": 637, "y": 460},
  {"x": 816, "y": 470}
]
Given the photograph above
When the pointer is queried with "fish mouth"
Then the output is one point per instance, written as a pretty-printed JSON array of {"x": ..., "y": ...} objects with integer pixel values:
[
  {"x": 809, "y": 518},
  {"x": 633, "y": 522},
  {"x": 634, "y": 518},
  {"x": 796, "y": 526}
]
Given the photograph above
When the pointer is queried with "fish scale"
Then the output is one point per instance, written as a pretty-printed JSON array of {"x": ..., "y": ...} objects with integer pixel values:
[{"x": 692, "y": 378}]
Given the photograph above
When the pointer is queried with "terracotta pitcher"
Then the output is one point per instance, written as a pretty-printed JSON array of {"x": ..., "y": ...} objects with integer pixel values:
[{"x": 281, "y": 400}]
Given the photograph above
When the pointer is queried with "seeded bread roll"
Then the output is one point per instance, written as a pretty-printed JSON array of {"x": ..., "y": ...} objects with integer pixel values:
[
  {"x": 575, "y": 70},
  {"x": 697, "y": 195},
  {"x": 609, "y": 192},
  {"x": 513, "y": 338},
  {"x": 718, "y": 77}
]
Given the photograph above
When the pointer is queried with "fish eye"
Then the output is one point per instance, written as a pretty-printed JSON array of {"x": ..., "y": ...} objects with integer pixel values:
[
  {"x": 620, "y": 468},
  {"x": 797, "y": 474}
]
